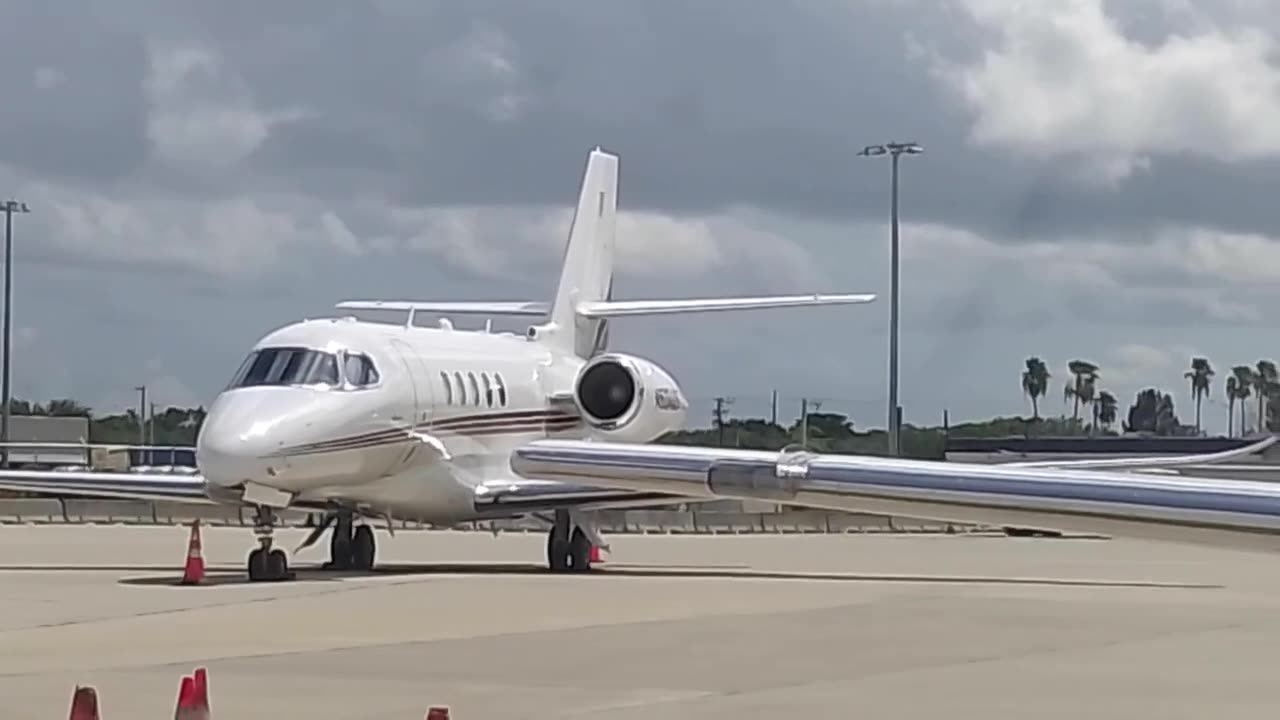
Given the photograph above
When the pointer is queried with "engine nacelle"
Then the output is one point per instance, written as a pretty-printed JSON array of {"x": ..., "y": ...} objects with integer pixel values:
[{"x": 628, "y": 399}]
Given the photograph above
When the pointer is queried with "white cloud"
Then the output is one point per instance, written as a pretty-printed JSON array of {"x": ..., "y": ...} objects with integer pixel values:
[
  {"x": 222, "y": 237},
  {"x": 1063, "y": 81},
  {"x": 1118, "y": 259},
  {"x": 201, "y": 115},
  {"x": 496, "y": 241}
]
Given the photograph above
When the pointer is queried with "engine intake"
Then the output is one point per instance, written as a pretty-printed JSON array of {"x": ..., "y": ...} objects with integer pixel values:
[
  {"x": 628, "y": 399},
  {"x": 606, "y": 391}
]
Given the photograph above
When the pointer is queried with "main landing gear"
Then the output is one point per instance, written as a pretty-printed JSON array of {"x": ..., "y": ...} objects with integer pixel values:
[
  {"x": 351, "y": 546},
  {"x": 569, "y": 544}
]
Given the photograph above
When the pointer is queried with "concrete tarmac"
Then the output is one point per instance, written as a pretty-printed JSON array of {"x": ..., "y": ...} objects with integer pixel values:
[{"x": 813, "y": 626}]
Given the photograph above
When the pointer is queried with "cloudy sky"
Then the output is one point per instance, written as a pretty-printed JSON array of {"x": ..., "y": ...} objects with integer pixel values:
[{"x": 1098, "y": 182}]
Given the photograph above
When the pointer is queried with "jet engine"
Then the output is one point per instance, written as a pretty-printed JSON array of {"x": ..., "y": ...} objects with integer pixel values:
[{"x": 624, "y": 398}]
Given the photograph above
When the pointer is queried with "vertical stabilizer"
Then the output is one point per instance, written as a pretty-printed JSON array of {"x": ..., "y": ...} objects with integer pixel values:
[{"x": 587, "y": 273}]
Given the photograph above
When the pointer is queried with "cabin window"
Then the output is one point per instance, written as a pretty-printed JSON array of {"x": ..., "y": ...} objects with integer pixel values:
[
  {"x": 502, "y": 389},
  {"x": 448, "y": 389},
  {"x": 359, "y": 370},
  {"x": 462, "y": 389},
  {"x": 475, "y": 389},
  {"x": 287, "y": 366},
  {"x": 488, "y": 389}
]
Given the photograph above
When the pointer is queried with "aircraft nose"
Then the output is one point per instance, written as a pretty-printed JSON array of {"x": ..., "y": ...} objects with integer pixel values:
[{"x": 235, "y": 445}]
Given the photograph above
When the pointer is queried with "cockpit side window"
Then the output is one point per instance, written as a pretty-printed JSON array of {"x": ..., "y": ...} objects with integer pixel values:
[
  {"x": 287, "y": 366},
  {"x": 359, "y": 370}
]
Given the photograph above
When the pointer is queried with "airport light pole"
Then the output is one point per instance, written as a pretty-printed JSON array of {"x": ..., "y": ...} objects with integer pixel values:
[
  {"x": 9, "y": 207},
  {"x": 894, "y": 150},
  {"x": 142, "y": 423}
]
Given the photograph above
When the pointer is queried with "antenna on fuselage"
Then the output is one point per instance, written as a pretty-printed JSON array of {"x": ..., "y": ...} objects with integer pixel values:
[{"x": 412, "y": 314}]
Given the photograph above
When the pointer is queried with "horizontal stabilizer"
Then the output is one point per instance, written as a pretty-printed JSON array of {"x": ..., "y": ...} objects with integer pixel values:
[
  {"x": 499, "y": 307},
  {"x": 620, "y": 308}
]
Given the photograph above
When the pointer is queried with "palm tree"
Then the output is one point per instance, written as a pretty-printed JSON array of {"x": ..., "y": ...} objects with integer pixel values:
[
  {"x": 1242, "y": 375},
  {"x": 1105, "y": 409},
  {"x": 1081, "y": 389},
  {"x": 1035, "y": 383},
  {"x": 1200, "y": 374},
  {"x": 1233, "y": 390},
  {"x": 1266, "y": 382}
]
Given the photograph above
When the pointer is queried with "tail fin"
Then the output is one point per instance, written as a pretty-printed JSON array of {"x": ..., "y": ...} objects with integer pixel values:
[
  {"x": 587, "y": 273},
  {"x": 577, "y": 321}
]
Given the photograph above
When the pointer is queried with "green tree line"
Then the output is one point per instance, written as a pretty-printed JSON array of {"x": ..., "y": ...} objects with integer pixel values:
[{"x": 1253, "y": 393}]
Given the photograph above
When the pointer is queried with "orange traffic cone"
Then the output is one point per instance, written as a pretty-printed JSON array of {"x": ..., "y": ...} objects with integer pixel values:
[
  {"x": 84, "y": 704},
  {"x": 193, "y": 573},
  {"x": 437, "y": 713},
  {"x": 193, "y": 697}
]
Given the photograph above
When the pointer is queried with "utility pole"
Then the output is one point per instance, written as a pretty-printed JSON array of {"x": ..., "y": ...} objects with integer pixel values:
[
  {"x": 142, "y": 422},
  {"x": 9, "y": 207},
  {"x": 804, "y": 422},
  {"x": 773, "y": 411},
  {"x": 804, "y": 418},
  {"x": 894, "y": 150},
  {"x": 719, "y": 417}
]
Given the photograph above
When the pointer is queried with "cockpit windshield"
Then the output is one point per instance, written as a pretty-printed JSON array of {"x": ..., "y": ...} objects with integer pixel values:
[{"x": 288, "y": 366}]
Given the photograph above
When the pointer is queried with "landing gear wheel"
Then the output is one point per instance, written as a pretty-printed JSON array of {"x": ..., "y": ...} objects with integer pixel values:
[
  {"x": 258, "y": 569},
  {"x": 278, "y": 565},
  {"x": 267, "y": 565},
  {"x": 573, "y": 555},
  {"x": 340, "y": 544},
  {"x": 363, "y": 548},
  {"x": 580, "y": 551},
  {"x": 558, "y": 556}
]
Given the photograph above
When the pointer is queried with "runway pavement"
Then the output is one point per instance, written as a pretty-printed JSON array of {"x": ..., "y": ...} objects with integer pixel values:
[{"x": 813, "y": 626}]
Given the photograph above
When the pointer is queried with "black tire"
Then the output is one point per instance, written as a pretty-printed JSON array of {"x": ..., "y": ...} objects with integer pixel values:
[
  {"x": 340, "y": 545},
  {"x": 558, "y": 556},
  {"x": 259, "y": 568},
  {"x": 363, "y": 548},
  {"x": 580, "y": 551},
  {"x": 277, "y": 565}
]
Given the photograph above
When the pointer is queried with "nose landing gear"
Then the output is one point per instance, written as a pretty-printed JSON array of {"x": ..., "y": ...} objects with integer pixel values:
[{"x": 267, "y": 563}]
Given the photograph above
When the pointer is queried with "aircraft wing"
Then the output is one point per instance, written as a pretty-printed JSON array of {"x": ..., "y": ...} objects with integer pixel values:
[
  {"x": 100, "y": 484},
  {"x": 1232, "y": 513},
  {"x": 1158, "y": 461},
  {"x": 515, "y": 496}
]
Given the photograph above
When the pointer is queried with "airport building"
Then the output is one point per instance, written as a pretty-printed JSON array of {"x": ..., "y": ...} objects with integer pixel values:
[{"x": 41, "y": 441}]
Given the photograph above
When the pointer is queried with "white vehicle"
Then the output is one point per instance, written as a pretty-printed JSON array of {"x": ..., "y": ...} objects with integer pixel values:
[{"x": 368, "y": 420}]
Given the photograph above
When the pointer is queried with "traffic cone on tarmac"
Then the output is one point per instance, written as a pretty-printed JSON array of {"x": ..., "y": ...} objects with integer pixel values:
[
  {"x": 193, "y": 697},
  {"x": 193, "y": 572},
  {"x": 84, "y": 704}
]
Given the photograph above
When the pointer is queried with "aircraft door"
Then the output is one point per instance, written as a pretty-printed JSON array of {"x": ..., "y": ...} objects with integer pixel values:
[{"x": 418, "y": 380}]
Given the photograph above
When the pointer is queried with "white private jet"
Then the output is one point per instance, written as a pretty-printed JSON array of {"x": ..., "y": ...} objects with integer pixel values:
[{"x": 367, "y": 420}]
